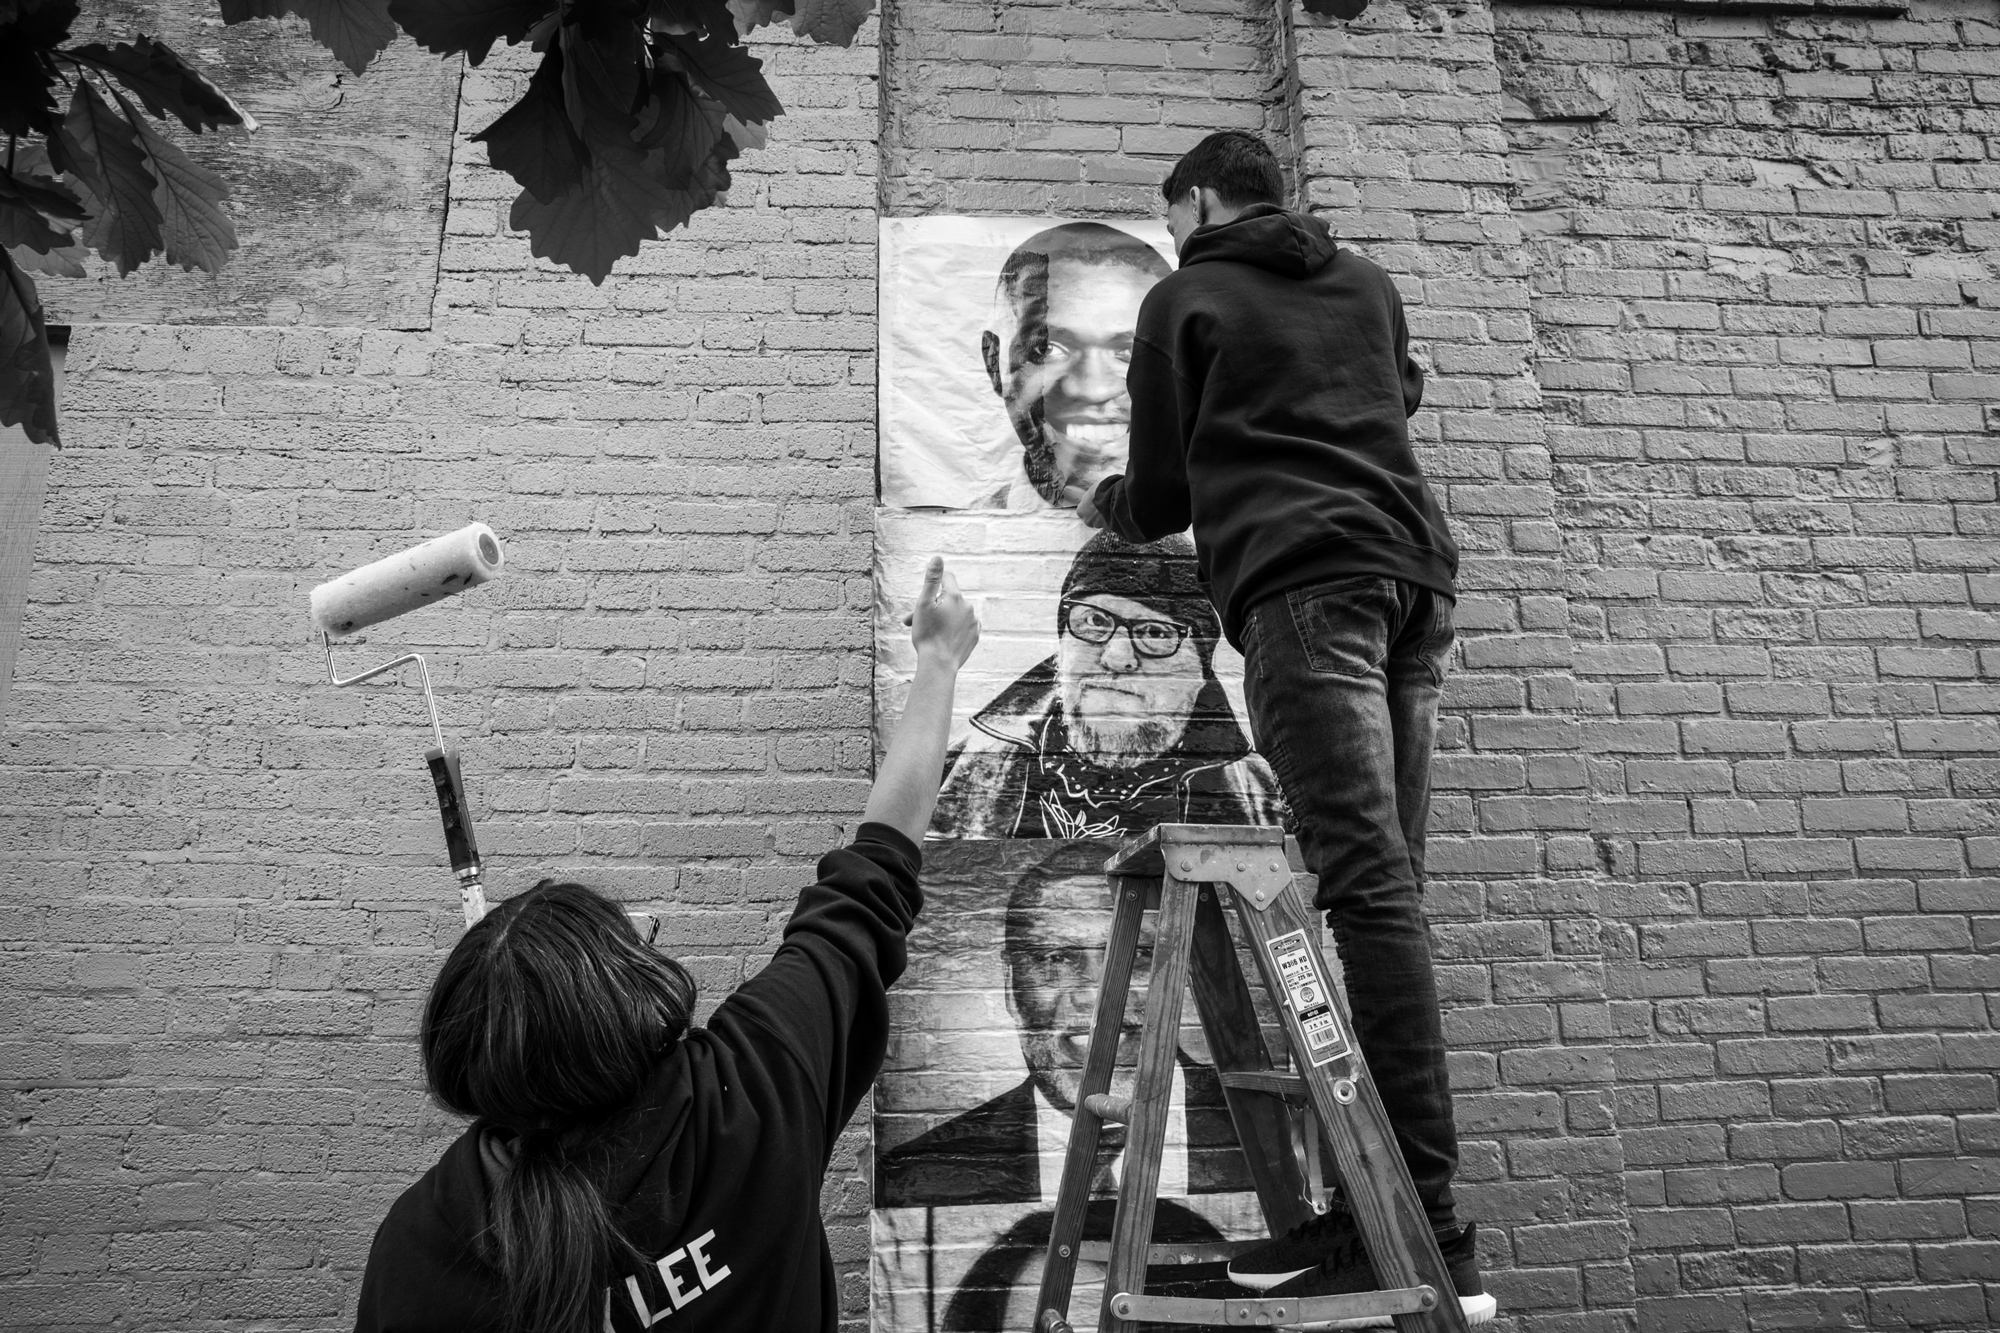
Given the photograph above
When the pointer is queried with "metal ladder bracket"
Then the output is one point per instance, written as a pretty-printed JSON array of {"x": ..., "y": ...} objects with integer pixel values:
[
  {"x": 1258, "y": 868},
  {"x": 1269, "y": 1312}
]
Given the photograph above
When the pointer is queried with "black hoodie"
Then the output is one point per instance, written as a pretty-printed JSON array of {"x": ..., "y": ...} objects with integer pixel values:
[
  {"x": 719, "y": 1160},
  {"x": 1271, "y": 387}
]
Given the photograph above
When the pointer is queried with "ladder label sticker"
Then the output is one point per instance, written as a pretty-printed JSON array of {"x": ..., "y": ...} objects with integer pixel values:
[{"x": 1310, "y": 994}]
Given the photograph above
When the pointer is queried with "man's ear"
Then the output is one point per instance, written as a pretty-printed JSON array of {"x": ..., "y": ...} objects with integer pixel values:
[{"x": 989, "y": 351}]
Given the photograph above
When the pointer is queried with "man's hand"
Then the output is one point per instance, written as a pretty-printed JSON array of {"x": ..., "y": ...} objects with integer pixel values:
[
  {"x": 944, "y": 629},
  {"x": 1086, "y": 509},
  {"x": 943, "y": 622}
]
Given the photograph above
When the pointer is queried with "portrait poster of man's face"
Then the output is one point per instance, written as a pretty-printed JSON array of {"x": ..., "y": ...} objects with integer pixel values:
[
  {"x": 1003, "y": 353},
  {"x": 1102, "y": 700},
  {"x": 972, "y": 1112}
]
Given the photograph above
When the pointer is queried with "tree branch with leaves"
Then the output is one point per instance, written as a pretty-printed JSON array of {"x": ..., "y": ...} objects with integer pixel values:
[{"x": 626, "y": 131}]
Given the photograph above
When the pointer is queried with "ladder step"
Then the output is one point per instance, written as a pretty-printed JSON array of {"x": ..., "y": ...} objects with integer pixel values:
[
  {"x": 1265, "y": 1312},
  {"x": 1289, "y": 1086},
  {"x": 1108, "y": 1107},
  {"x": 1214, "y": 1252}
]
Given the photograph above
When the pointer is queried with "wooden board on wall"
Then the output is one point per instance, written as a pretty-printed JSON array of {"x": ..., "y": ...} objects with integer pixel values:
[{"x": 338, "y": 197}]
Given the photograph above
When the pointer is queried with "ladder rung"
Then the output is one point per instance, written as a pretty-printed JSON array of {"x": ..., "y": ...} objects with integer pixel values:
[
  {"x": 1266, "y": 1080},
  {"x": 1109, "y": 1108},
  {"x": 1265, "y": 1312},
  {"x": 1099, "y": 1252}
]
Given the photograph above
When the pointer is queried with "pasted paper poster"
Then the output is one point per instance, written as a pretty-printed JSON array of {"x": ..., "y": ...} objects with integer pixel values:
[
  {"x": 972, "y": 1112},
  {"x": 1102, "y": 701},
  {"x": 1004, "y": 343}
]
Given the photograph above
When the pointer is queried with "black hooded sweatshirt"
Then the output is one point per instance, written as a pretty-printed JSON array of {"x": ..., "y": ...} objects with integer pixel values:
[
  {"x": 1271, "y": 388},
  {"x": 716, "y": 1166}
]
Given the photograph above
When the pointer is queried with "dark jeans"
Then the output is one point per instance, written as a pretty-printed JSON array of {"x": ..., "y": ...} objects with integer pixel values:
[{"x": 1343, "y": 681}]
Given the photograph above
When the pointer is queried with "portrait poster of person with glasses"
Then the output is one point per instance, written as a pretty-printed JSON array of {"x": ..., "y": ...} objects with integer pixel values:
[{"x": 1104, "y": 700}]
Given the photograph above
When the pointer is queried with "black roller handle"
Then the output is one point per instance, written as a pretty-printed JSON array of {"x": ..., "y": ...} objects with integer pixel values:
[{"x": 458, "y": 840}]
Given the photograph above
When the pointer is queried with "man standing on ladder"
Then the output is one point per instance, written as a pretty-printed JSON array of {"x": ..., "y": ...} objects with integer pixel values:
[{"x": 1271, "y": 386}]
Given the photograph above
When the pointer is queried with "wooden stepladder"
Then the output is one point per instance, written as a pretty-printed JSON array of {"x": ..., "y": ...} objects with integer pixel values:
[{"x": 1187, "y": 872}]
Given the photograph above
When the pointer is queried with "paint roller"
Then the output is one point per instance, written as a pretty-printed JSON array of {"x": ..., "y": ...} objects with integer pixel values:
[{"x": 392, "y": 586}]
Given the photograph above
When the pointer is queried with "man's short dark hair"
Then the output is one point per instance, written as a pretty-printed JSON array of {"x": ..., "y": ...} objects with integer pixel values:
[{"x": 1237, "y": 165}]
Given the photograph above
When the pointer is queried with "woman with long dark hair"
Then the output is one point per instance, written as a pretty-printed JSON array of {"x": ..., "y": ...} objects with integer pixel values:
[{"x": 621, "y": 1165}]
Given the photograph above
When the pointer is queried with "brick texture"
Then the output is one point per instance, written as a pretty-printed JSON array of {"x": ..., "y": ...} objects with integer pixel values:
[
  {"x": 1711, "y": 305},
  {"x": 222, "y": 895},
  {"x": 1762, "y": 252}
]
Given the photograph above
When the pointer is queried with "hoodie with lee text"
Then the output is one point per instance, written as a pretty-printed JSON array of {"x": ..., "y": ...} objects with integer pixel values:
[{"x": 715, "y": 1169}]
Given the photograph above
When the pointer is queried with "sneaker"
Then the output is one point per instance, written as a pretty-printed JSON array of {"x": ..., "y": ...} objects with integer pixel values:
[
  {"x": 1344, "y": 1270},
  {"x": 1295, "y": 1253}
]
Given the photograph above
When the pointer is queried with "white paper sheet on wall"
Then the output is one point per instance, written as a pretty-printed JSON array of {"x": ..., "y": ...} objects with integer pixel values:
[{"x": 946, "y": 437}]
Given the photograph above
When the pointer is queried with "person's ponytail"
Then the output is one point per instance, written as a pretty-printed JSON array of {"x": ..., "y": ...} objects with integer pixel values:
[
  {"x": 545, "y": 1021},
  {"x": 554, "y": 1240}
]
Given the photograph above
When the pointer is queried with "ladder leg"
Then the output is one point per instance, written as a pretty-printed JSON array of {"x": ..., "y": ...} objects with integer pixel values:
[
  {"x": 1152, "y": 1093},
  {"x": 1229, "y": 1021},
  {"x": 1384, "y": 1201},
  {"x": 1073, "y": 1198}
]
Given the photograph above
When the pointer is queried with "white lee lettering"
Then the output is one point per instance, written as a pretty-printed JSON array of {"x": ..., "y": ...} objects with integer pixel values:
[
  {"x": 708, "y": 1279},
  {"x": 680, "y": 1289},
  {"x": 667, "y": 1275},
  {"x": 646, "y": 1317}
]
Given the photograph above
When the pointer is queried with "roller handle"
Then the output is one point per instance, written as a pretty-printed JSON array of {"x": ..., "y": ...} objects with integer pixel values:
[{"x": 459, "y": 843}]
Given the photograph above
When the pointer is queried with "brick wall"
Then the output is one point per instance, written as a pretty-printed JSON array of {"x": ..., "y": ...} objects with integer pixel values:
[
  {"x": 1764, "y": 260},
  {"x": 222, "y": 895},
  {"x": 1401, "y": 146},
  {"x": 1710, "y": 308}
]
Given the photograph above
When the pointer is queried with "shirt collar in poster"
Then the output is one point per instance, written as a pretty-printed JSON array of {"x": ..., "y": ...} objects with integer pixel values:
[{"x": 1052, "y": 1144}]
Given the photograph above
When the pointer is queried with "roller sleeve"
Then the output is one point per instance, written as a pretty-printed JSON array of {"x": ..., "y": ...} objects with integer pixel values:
[{"x": 407, "y": 580}]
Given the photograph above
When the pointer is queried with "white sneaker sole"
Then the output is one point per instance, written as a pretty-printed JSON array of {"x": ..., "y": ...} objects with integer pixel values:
[{"x": 1478, "y": 1310}]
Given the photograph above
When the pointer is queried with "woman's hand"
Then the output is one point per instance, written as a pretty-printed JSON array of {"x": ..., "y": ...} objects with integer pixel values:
[
  {"x": 944, "y": 629},
  {"x": 943, "y": 626}
]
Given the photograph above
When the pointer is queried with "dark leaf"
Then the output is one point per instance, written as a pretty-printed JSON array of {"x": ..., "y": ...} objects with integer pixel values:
[
  {"x": 601, "y": 74},
  {"x": 471, "y": 26},
  {"x": 101, "y": 149},
  {"x": 746, "y": 136},
  {"x": 27, "y": 379},
  {"x": 533, "y": 141},
  {"x": 601, "y": 219},
  {"x": 23, "y": 226},
  {"x": 683, "y": 126},
  {"x": 729, "y": 74},
  {"x": 24, "y": 200},
  {"x": 167, "y": 84},
  {"x": 710, "y": 181},
  {"x": 692, "y": 16},
  {"x": 354, "y": 30},
  {"x": 27, "y": 76},
  {"x": 198, "y": 232},
  {"x": 44, "y": 193},
  {"x": 751, "y": 14},
  {"x": 64, "y": 262},
  {"x": 829, "y": 21}
]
